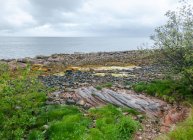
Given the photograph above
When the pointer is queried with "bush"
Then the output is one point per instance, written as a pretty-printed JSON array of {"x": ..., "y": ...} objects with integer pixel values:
[
  {"x": 168, "y": 90},
  {"x": 174, "y": 43}
]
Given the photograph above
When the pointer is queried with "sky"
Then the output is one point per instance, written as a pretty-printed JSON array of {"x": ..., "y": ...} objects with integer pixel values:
[{"x": 69, "y": 18}]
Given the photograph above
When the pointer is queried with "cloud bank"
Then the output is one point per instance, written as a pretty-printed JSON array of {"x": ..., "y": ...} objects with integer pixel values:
[{"x": 131, "y": 18}]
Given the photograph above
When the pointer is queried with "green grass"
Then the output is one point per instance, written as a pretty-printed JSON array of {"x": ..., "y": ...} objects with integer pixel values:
[
  {"x": 71, "y": 127},
  {"x": 21, "y": 100},
  {"x": 168, "y": 90},
  {"x": 105, "y": 85},
  {"x": 111, "y": 124},
  {"x": 24, "y": 114}
]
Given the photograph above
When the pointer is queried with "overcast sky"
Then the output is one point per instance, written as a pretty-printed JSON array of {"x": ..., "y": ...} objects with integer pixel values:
[{"x": 133, "y": 18}]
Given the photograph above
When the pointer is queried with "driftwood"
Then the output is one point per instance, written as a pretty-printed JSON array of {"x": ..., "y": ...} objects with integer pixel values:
[{"x": 91, "y": 97}]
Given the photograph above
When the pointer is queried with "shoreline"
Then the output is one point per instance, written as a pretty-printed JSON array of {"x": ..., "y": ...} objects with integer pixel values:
[{"x": 134, "y": 57}]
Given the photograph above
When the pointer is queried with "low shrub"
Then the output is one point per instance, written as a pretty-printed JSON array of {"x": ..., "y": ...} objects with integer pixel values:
[{"x": 166, "y": 89}]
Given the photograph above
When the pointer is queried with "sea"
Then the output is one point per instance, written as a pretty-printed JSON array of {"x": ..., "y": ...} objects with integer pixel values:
[{"x": 21, "y": 47}]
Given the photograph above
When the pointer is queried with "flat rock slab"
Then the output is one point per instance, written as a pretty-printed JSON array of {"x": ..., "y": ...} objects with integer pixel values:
[
  {"x": 91, "y": 97},
  {"x": 123, "y": 98}
]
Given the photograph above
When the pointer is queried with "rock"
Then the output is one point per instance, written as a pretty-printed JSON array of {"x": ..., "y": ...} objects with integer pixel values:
[
  {"x": 87, "y": 106},
  {"x": 69, "y": 90},
  {"x": 172, "y": 118},
  {"x": 62, "y": 102},
  {"x": 46, "y": 127},
  {"x": 147, "y": 125},
  {"x": 56, "y": 94},
  {"x": 70, "y": 102},
  {"x": 40, "y": 57},
  {"x": 81, "y": 102},
  {"x": 69, "y": 72},
  {"x": 14, "y": 65},
  {"x": 128, "y": 87},
  {"x": 57, "y": 102},
  {"x": 50, "y": 98},
  {"x": 120, "y": 98},
  {"x": 125, "y": 113},
  {"x": 18, "y": 107},
  {"x": 139, "y": 117},
  {"x": 50, "y": 102}
]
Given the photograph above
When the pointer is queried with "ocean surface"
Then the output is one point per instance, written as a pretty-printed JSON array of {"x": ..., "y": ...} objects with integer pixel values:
[{"x": 20, "y": 47}]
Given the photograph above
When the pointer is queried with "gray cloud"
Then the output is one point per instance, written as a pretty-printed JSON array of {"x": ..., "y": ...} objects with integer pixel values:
[
  {"x": 82, "y": 17},
  {"x": 51, "y": 11}
]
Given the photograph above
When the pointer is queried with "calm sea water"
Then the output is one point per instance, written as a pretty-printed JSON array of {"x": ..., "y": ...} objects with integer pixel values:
[{"x": 20, "y": 47}]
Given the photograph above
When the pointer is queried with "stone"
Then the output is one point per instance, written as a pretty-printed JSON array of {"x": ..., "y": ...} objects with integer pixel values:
[
  {"x": 69, "y": 90},
  {"x": 128, "y": 87},
  {"x": 46, "y": 127},
  {"x": 81, "y": 102},
  {"x": 87, "y": 106},
  {"x": 18, "y": 107},
  {"x": 68, "y": 72},
  {"x": 56, "y": 94},
  {"x": 70, "y": 102}
]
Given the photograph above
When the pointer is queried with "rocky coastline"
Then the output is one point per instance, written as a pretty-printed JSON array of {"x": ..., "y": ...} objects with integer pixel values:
[
  {"x": 112, "y": 71},
  {"x": 72, "y": 71}
]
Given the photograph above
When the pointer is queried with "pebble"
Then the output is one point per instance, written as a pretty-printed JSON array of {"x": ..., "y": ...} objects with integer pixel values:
[{"x": 76, "y": 79}]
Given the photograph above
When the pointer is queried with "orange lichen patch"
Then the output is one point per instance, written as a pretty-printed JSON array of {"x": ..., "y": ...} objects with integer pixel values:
[
  {"x": 40, "y": 67},
  {"x": 73, "y": 68}
]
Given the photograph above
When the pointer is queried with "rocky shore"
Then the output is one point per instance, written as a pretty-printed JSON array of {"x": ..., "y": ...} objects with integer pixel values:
[
  {"x": 73, "y": 71},
  {"x": 106, "y": 74},
  {"x": 80, "y": 59},
  {"x": 72, "y": 79}
]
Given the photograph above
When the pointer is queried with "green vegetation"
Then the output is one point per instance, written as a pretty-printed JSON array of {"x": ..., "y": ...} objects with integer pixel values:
[
  {"x": 168, "y": 90},
  {"x": 173, "y": 42},
  {"x": 106, "y": 85},
  {"x": 111, "y": 124},
  {"x": 21, "y": 100},
  {"x": 24, "y": 114}
]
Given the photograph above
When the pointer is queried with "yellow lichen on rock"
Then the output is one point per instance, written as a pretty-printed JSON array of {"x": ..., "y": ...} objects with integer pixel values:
[{"x": 40, "y": 67}]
